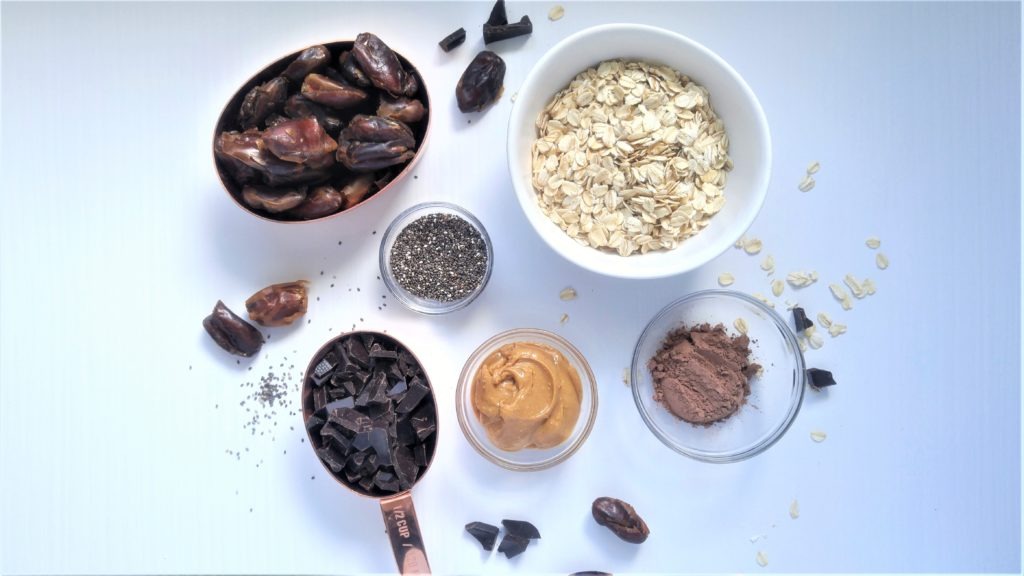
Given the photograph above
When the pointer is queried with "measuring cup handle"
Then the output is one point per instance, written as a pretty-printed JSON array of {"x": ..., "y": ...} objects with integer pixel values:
[{"x": 404, "y": 534}]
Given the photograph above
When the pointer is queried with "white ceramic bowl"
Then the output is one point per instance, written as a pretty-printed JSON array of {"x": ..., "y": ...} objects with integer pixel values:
[{"x": 732, "y": 99}]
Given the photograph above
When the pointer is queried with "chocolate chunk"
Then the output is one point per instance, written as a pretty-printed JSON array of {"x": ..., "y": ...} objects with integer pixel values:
[
  {"x": 507, "y": 31},
  {"x": 512, "y": 545},
  {"x": 405, "y": 433},
  {"x": 370, "y": 466},
  {"x": 357, "y": 352},
  {"x": 366, "y": 483},
  {"x": 398, "y": 389},
  {"x": 379, "y": 443},
  {"x": 336, "y": 394},
  {"x": 361, "y": 441},
  {"x": 378, "y": 388},
  {"x": 319, "y": 398},
  {"x": 313, "y": 424},
  {"x": 378, "y": 351},
  {"x": 407, "y": 364},
  {"x": 486, "y": 534},
  {"x": 344, "y": 382},
  {"x": 324, "y": 369},
  {"x": 405, "y": 467},
  {"x": 367, "y": 338},
  {"x": 386, "y": 481},
  {"x": 800, "y": 320},
  {"x": 355, "y": 461},
  {"x": 379, "y": 410},
  {"x": 498, "y": 15},
  {"x": 346, "y": 402},
  {"x": 350, "y": 421},
  {"x": 521, "y": 528},
  {"x": 333, "y": 436},
  {"x": 331, "y": 459},
  {"x": 424, "y": 422},
  {"x": 353, "y": 477},
  {"x": 453, "y": 40},
  {"x": 419, "y": 452},
  {"x": 394, "y": 373},
  {"x": 417, "y": 392},
  {"x": 820, "y": 378}
]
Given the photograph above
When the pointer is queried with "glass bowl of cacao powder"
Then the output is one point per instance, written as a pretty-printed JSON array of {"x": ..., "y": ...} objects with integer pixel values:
[{"x": 718, "y": 376}]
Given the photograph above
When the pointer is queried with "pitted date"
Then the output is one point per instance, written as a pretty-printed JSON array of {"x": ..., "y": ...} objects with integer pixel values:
[
  {"x": 481, "y": 83},
  {"x": 231, "y": 332},
  {"x": 262, "y": 101},
  {"x": 380, "y": 64},
  {"x": 621, "y": 519},
  {"x": 278, "y": 304},
  {"x": 370, "y": 143}
]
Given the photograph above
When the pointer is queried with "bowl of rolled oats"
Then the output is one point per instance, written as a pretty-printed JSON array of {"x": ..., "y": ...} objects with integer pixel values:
[{"x": 636, "y": 152}]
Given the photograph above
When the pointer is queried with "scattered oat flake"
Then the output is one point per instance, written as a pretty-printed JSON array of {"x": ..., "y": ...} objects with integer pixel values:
[
  {"x": 794, "y": 509},
  {"x": 818, "y": 436},
  {"x": 807, "y": 184},
  {"x": 881, "y": 261},
  {"x": 813, "y": 168},
  {"x": 567, "y": 294},
  {"x": 824, "y": 320},
  {"x": 762, "y": 560},
  {"x": 873, "y": 242},
  {"x": 801, "y": 279},
  {"x": 841, "y": 296},
  {"x": 564, "y": 319},
  {"x": 556, "y": 13},
  {"x": 739, "y": 243},
  {"x": 741, "y": 325},
  {"x": 512, "y": 98},
  {"x": 869, "y": 286},
  {"x": 764, "y": 299},
  {"x": 855, "y": 286},
  {"x": 815, "y": 341},
  {"x": 803, "y": 344},
  {"x": 777, "y": 287},
  {"x": 768, "y": 264},
  {"x": 725, "y": 279},
  {"x": 836, "y": 329},
  {"x": 752, "y": 246},
  {"x": 791, "y": 305},
  {"x": 625, "y": 376}
]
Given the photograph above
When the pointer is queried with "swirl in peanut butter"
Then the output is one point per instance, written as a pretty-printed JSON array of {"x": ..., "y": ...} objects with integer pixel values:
[{"x": 527, "y": 395}]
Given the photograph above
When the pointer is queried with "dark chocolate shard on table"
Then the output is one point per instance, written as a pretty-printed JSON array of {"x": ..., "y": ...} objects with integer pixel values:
[
  {"x": 800, "y": 320},
  {"x": 485, "y": 533},
  {"x": 498, "y": 15},
  {"x": 497, "y": 33},
  {"x": 512, "y": 545},
  {"x": 819, "y": 378},
  {"x": 521, "y": 528},
  {"x": 453, "y": 40}
]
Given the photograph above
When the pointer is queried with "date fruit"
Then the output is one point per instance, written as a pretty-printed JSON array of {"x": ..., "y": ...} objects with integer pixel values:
[
  {"x": 302, "y": 141},
  {"x": 323, "y": 90},
  {"x": 298, "y": 106},
  {"x": 311, "y": 60},
  {"x": 231, "y": 332},
  {"x": 370, "y": 143},
  {"x": 323, "y": 201},
  {"x": 481, "y": 83},
  {"x": 261, "y": 101},
  {"x": 405, "y": 110},
  {"x": 621, "y": 519},
  {"x": 273, "y": 200},
  {"x": 278, "y": 304},
  {"x": 380, "y": 64},
  {"x": 351, "y": 70}
]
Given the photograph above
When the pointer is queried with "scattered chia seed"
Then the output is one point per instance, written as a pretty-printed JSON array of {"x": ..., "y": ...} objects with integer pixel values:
[{"x": 439, "y": 257}]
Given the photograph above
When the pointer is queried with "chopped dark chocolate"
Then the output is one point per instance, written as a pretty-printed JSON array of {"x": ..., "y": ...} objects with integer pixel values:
[
  {"x": 319, "y": 398},
  {"x": 417, "y": 392},
  {"x": 453, "y": 40},
  {"x": 335, "y": 437},
  {"x": 498, "y": 15},
  {"x": 386, "y": 481},
  {"x": 323, "y": 370},
  {"x": 353, "y": 477},
  {"x": 346, "y": 402},
  {"x": 336, "y": 394},
  {"x": 355, "y": 461},
  {"x": 357, "y": 352},
  {"x": 366, "y": 483},
  {"x": 405, "y": 467},
  {"x": 394, "y": 373},
  {"x": 313, "y": 424},
  {"x": 398, "y": 389},
  {"x": 485, "y": 533},
  {"x": 820, "y": 378},
  {"x": 370, "y": 466},
  {"x": 350, "y": 420},
  {"x": 800, "y": 320},
  {"x": 361, "y": 441},
  {"x": 407, "y": 364},
  {"x": 378, "y": 351},
  {"x": 419, "y": 452},
  {"x": 378, "y": 388},
  {"x": 380, "y": 444},
  {"x": 512, "y": 545},
  {"x": 344, "y": 382},
  {"x": 424, "y": 421},
  {"x": 496, "y": 33},
  {"x": 331, "y": 459},
  {"x": 521, "y": 528},
  {"x": 406, "y": 434}
]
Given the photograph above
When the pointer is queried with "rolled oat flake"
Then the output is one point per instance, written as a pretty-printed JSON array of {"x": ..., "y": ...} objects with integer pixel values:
[{"x": 439, "y": 257}]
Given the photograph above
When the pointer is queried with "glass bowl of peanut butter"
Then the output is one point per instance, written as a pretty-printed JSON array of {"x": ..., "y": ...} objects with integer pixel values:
[{"x": 526, "y": 399}]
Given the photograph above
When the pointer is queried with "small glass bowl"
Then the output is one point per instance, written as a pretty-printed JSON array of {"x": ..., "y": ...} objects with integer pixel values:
[
  {"x": 775, "y": 394},
  {"x": 416, "y": 303},
  {"x": 529, "y": 459}
]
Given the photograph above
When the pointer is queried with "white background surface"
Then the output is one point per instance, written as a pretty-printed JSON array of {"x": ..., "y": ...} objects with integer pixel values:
[{"x": 116, "y": 409}]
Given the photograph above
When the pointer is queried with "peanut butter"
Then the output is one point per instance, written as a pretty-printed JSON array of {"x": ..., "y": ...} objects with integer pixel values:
[{"x": 527, "y": 395}]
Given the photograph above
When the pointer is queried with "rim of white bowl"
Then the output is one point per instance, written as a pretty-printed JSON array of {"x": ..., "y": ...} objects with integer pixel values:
[{"x": 525, "y": 192}]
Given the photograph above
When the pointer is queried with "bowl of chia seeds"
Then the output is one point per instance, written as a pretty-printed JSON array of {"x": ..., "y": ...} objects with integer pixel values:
[{"x": 436, "y": 258}]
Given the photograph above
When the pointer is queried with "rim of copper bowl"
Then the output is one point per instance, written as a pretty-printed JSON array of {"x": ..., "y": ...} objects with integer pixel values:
[
  {"x": 237, "y": 95},
  {"x": 305, "y": 413}
]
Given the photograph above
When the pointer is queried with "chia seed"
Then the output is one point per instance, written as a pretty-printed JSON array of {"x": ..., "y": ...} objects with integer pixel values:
[{"x": 439, "y": 257}]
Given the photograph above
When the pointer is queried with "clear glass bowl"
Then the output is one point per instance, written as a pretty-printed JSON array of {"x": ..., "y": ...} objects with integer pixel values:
[
  {"x": 775, "y": 395},
  {"x": 412, "y": 301},
  {"x": 526, "y": 459}
]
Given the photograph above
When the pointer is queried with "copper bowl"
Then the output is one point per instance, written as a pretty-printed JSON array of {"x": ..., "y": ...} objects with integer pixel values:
[{"x": 227, "y": 121}]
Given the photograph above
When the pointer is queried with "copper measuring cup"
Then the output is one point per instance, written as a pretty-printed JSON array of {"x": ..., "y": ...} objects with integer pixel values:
[
  {"x": 400, "y": 521},
  {"x": 227, "y": 121}
]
